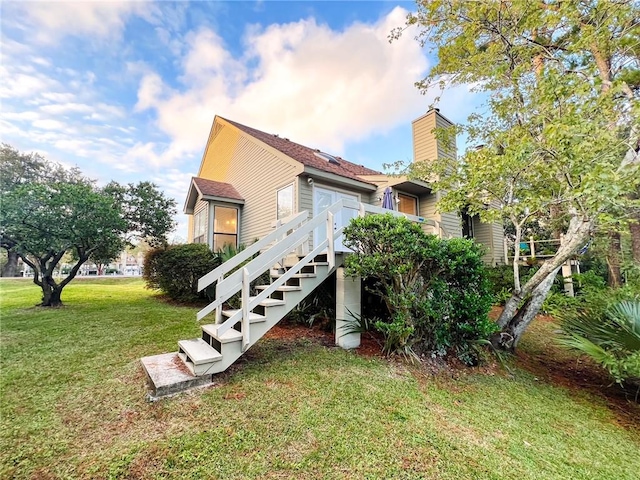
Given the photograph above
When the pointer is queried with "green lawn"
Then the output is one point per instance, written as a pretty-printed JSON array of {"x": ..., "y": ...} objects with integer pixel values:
[{"x": 73, "y": 406}]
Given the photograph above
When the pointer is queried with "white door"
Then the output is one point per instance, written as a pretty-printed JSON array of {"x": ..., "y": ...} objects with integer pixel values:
[{"x": 323, "y": 198}]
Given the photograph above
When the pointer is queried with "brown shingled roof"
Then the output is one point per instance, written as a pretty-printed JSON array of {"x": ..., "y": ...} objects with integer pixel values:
[
  {"x": 216, "y": 189},
  {"x": 306, "y": 155}
]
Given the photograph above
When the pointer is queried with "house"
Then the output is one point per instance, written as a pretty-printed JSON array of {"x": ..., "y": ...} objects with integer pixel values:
[
  {"x": 248, "y": 179},
  {"x": 288, "y": 204}
]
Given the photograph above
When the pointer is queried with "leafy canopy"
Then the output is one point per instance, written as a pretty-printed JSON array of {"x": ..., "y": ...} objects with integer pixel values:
[
  {"x": 48, "y": 212},
  {"x": 555, "y": 129}
]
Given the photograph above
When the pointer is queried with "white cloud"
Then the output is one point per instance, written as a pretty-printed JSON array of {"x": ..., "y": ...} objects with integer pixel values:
[
  {"x": 48, "y": 124},
  {"x": 50, "y": 21},
  {"x": 303, "y": 80},
  {"x": 63, "y": 108},
  {"x": 14, "y": 84}
]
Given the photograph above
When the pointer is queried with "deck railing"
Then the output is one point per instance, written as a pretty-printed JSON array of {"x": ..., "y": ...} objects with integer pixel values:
[{"x": 532, "y": 248}]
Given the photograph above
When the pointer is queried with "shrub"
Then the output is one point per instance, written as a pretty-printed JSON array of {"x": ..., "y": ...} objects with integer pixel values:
[
  {"x": 557, "y": 303},
  {"x": 436, "y": 292},
  {"x": 319, "y": 308},
  {"x": 176, "y": 269},
  {"x": 610, "y": 337},
  {"x": 500, "y": 280}
]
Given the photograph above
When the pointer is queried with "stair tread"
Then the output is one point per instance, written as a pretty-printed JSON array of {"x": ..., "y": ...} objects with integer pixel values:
[
  {"x": 230, "y": 335},
  {"x": 283, "y": 288},
  {"x": 297, "y": 275},
  {"x": 253, "y": 317},
  {"x": 199, "y": 351},
  {"x": 270, "y": 302}
]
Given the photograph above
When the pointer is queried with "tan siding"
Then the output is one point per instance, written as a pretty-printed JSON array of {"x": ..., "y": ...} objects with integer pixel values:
[
  {"x": 219, "y": 154},
  {"x": 257, "y": 175},
  {"x": 490, "y": 235},
  {"x": 189, "y": 228},
  {"x": 498, "y": 243},
  {"x": 305, "y": 201},
  {"x": 305, "y": 196},
  {"x": 444, "y": 150},
  {"x": 424, "y": 142},
  {"x": 451, "y": 223},
  {"x": 427, "y": 206},
  {"x": 482, "y": 235}
]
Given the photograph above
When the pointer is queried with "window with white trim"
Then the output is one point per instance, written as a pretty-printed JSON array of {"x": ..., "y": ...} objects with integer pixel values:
[
  {"x": 200, "y": 226},
  {"x": 284, "y": 202},
  {"x": 225, "y": 227}
]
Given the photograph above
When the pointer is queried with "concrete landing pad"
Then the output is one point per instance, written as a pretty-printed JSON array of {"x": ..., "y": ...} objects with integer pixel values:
[{"x": 167, "y": 375}]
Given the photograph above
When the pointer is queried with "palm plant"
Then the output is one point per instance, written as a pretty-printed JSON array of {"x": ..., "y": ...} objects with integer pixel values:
[{"x": 611, "y": 337}]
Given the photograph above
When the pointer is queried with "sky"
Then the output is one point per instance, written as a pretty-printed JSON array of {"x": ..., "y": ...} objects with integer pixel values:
[{"x": 127, "y": 91}]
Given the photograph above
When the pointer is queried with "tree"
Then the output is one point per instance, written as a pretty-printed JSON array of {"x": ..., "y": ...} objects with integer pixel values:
[
  {"x": 16, "y": 169},
  {"x": 560, "y": 132},
  {"x": 148, "y": 213},
  {"x": 44, "y": 220}
]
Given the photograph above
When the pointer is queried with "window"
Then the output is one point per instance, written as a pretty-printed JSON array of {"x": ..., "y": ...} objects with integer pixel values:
[
  {"x": 284, "y": 202},
  {"x": 200, "y": 226},
  {"x": 225, "y": 227},
  {"x": 407, "y": 204},
  {"x": 467, "y": 225},
  {"x": 327, "y": 157}
]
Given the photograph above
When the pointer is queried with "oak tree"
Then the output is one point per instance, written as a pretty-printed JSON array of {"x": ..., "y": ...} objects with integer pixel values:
[{"x": 45, "y": 219}]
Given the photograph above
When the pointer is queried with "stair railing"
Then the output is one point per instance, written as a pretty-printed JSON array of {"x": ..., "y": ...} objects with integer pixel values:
[
  {"x": 218, "y": 274},
  {"x": 291, "y": 235},
  {"x": 240, "y": 280}
]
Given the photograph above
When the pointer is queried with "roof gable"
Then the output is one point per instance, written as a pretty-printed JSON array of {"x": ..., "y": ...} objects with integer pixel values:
[{"x": 210, "y": 190}]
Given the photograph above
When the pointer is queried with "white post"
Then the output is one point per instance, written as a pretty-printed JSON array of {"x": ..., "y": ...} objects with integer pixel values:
[
  {"x": 533, "y": 247},
  {"x": 566, "y": 276},
  {"x": 347, "y": 308},
  {"x": 219, "y": 308},
  {"x": 331, "y": 256},
  {"x": 361, "y": 211},
  {"x": 245, "y": 309}
]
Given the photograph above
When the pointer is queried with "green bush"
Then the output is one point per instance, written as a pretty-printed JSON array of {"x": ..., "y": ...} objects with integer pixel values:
[
  {"x": 557, "y": 303},
  {"x": 436, "y": 292},
  {"x": 176, "y": 270},
  {"x": 611, "y": 337},
  {"x": 500, "y": 280}
]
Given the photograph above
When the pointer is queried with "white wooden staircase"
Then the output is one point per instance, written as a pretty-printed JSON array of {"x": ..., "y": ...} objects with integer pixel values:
[
  {"x": 223, "y": 343},
  {"x": 294, "y": 273},
  {"x": 236, "y": 330}
]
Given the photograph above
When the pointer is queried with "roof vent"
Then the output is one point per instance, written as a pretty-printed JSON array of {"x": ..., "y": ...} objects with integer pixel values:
[{"x": 327, "y": 157}]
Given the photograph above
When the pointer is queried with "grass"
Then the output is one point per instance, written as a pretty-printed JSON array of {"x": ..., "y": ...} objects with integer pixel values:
[{"x": 73, "y": 406}]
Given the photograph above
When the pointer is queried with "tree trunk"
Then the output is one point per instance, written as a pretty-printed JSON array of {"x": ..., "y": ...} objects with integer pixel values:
[
  {"x": 510, "y": 335},
  {"x": 613, "y": 260},
  {"x": 576, "y": 235},
  {"x": 51, "y": 297},
  {"x": 634, "y": 229},
  {"x": 10, "y": 269},
  {"x": 51, "y": 294},
  {"x": 574, "y": 238}
]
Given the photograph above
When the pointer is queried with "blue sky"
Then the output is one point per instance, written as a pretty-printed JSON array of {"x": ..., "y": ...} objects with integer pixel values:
[{"x": 128, "y": 90}]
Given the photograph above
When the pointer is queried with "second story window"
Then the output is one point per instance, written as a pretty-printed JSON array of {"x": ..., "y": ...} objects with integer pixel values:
[{"x": 407, "y": 204}]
